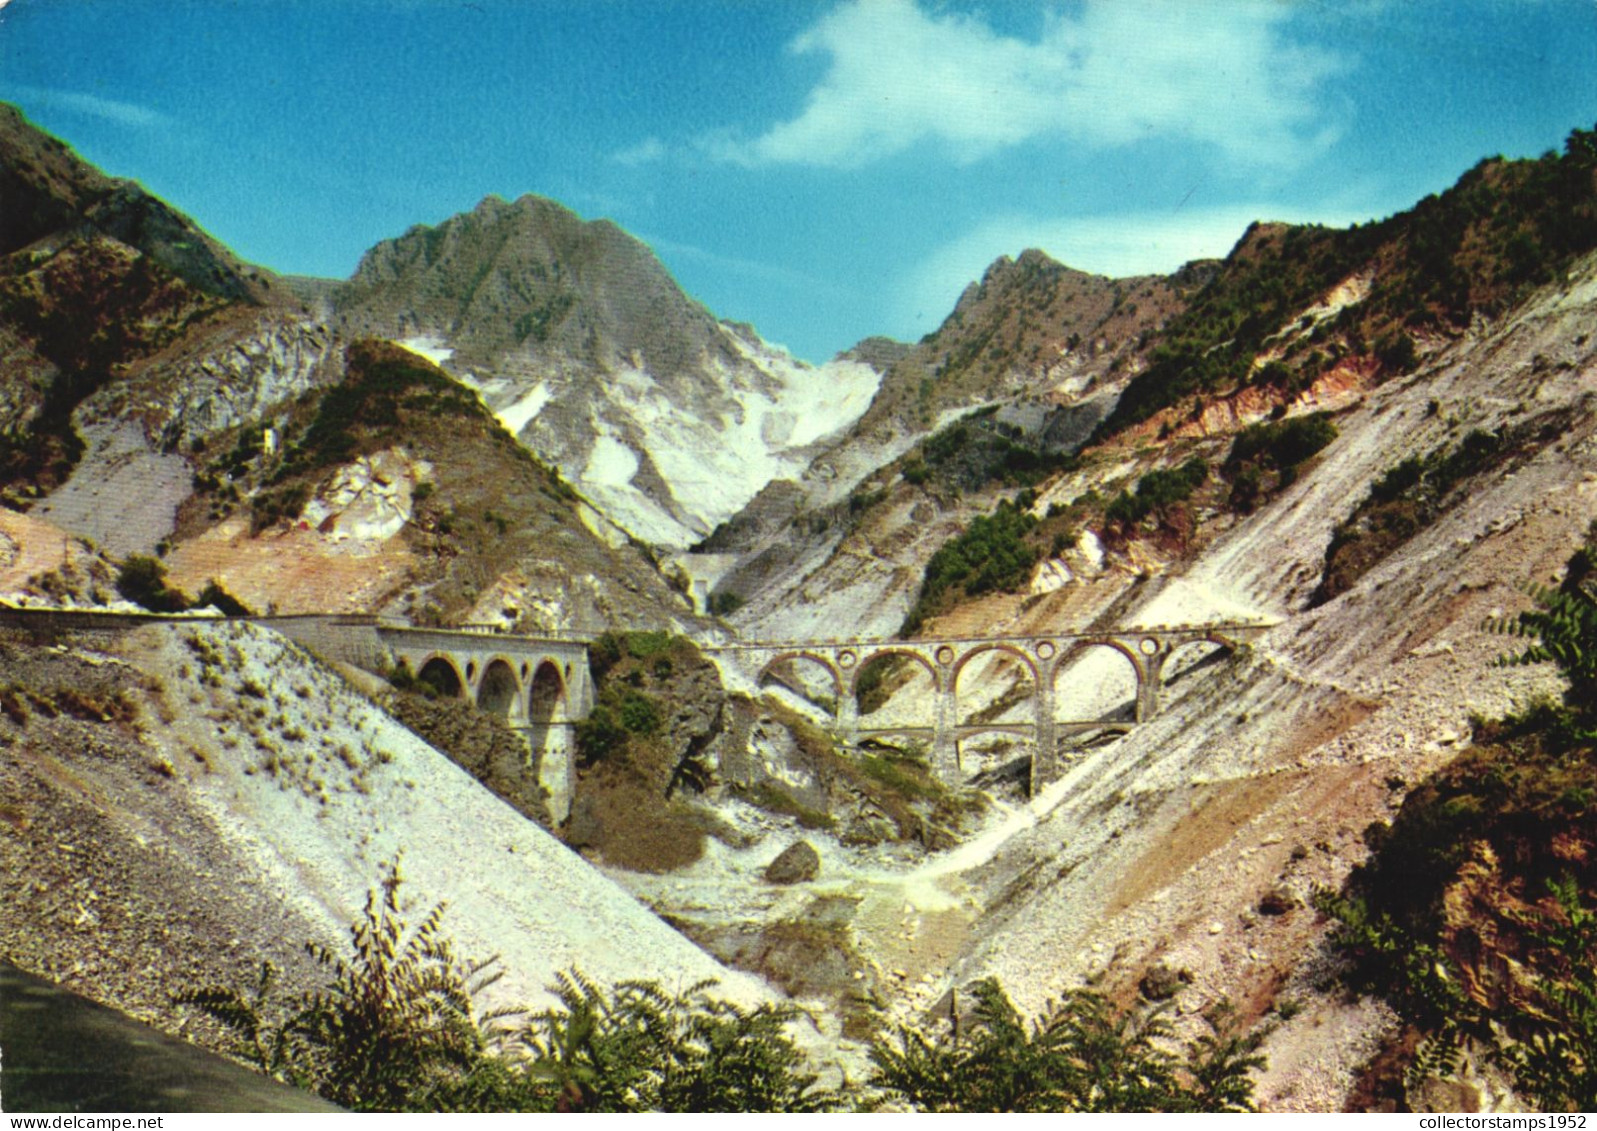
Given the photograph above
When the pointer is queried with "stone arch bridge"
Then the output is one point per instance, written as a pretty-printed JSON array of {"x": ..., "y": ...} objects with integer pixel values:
[
  {"x": 539, "y": 685},
  {"x": 842, "y": 663}
]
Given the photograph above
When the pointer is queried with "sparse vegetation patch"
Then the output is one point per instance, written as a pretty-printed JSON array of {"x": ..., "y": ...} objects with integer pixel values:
[{"x": 1476, "y": 915}]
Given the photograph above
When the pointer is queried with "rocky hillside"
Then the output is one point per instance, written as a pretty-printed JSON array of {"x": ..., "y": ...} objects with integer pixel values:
[
  {"x": 1296, "y": 320},
  {"x": 588, "y": 351},
  {"x": 1029, "y": 362},
  {"x": 185, "y": 802},
  {"x": 53, "y": 198},
  {"x": 396, "y": 491},
  {"x": 125, "y": 330}
]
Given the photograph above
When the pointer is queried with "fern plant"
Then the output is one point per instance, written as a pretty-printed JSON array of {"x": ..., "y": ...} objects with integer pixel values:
[
  {"x": 1556, "y": 1059},
  {"x": 395, "y": 1024},
  {"x": 640, "y": 1048},
  {"x": 1387, "y": 958},
  {"x": 278, "y": 1048},
  {"x": 1563, "y": 628},
  {"x": 1081, "y": 1055},
  {"x": 399, "y": 1016},
  {"x": 1439, "y": 1057}
]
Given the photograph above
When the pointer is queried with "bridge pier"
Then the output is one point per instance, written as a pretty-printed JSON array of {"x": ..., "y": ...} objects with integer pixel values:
[
  {"x": 847, "y": 716},
  {"x": 945, "y": 739},
  {"x": 1150, "y": 672},
  {"x": 551, "y": 755},
  {"x": 1046, "y": 751}
]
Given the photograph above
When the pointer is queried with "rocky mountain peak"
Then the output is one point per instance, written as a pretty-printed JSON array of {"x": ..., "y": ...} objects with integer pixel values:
[
  {"x": 1031, "y": 325},
  {"x": 530, "y": 277},
  {"x": 586, "y": 348}
]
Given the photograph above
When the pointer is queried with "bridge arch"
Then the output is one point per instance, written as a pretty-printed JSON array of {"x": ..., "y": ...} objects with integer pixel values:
[
  {"x": 881, "y": 654},
  {"x": 1014, "y": 650},
  {"x": 1096, "y": 695},
  {"x": 546, "y": 694},
  {"x": 440, "y": 673},
  {"x": 996, "y": 717},
  {"x": 771, "y": 670},
  {"x": 1194, "y": 653},
  {"x": 499, "y": 689},
  {"x": 895, "y": 690}
]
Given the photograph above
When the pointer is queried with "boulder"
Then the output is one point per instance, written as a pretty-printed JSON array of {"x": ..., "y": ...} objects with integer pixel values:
[
  {"x": 1277, "y": 901},
  {"x": 798, "y": 863}
]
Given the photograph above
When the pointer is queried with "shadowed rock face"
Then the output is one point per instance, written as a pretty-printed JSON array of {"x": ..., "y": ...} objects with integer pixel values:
[{"x": 99, "y": 276}]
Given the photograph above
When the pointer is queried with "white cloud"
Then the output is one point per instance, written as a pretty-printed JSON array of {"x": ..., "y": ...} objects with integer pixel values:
[
  {"x": 646, "y": 152},
  {"x": 1113, "y": 73},
  {"x": 1116, "y": 245},
  {"x": 92, "y": 105}
]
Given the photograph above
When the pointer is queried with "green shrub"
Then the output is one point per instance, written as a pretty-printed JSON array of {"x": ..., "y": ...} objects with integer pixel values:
[
  {"x": 1282, "y": 443},
  {"x": 142, "y": 580},
  {"x": 1397, "y": 352},
  {"x": 639, "y": 714},
  {"x": 724, "y": 603},
  {"x": 1275, "y": 447},
  {"x": 599, "y": 735},
  {"x": 285, "y": 504},
  {"x": 1155, "y": 491},
  {"x": 640, "y": 1048},
  {"x": 216, "y": 597},
  {"x": 395, "y": 1022},
  {"x": 396, "y": 1029},
  {"x": 862, "y": 500},
  {"x": 992, "y": 554},
  {"x": 646, "y": 645},
  {"x": 1563, "y": 628},
  {"x": 604, "y": 653}
]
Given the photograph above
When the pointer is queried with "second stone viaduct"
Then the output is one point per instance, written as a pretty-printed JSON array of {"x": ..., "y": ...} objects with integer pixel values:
[{"x": 842, "y": 663}]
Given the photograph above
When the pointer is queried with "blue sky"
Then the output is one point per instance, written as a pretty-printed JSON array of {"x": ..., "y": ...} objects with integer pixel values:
[{"x": 825, "y": 170}]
